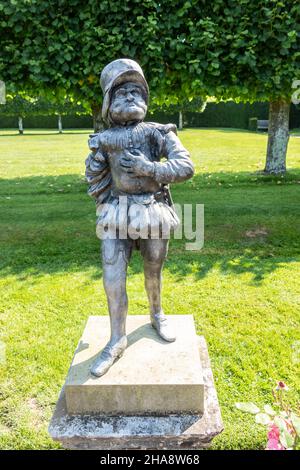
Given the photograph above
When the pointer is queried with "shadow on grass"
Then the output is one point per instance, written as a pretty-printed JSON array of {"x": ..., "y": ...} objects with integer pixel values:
[
  {"x": 258, "y": 264},
  {"x": 48, "y": 226}
]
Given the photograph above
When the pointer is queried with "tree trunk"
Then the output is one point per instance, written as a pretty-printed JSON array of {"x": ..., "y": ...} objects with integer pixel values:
[
  {"x": 180, "y": 127},
  {"x": 60, "y": 129},
  {"x": 278, "y": 137},
  {"x": 20, "y": 122},
  {"x": 97, "y": 118}
]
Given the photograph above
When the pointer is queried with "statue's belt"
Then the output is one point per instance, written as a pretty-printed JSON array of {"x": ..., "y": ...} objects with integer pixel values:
[{"x": 163, "y": 195}]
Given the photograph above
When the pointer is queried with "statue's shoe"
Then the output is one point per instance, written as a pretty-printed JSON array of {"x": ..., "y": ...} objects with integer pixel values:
[
  {"x": 160, "y": 323},
  {"x": 108, "y": 356}
]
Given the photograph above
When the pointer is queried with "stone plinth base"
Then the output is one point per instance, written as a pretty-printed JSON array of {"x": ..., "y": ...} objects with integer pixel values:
[
  {"x": 175, "y": 431},
  {"x": 152, "y": 376}
]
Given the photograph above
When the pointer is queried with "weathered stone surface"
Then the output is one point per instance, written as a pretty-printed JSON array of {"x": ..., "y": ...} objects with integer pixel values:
[
  {"x": 176, "y": 431},
  {"x": 152, "y": 377}
]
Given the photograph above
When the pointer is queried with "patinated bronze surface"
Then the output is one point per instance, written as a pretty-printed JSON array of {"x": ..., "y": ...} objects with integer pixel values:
[{"x": 129, "y": 183}]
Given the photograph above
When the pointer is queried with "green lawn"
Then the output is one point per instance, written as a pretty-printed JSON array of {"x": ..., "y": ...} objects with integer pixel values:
[{"x": 243, "y": 287}]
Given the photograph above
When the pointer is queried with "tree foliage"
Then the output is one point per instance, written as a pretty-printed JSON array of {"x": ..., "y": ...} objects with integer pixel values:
[
  {"x": 61, "y": 107},
  {"x": 17, "y": 106},
  {"x": 23, "y": 106},
  {"x": 195, "y": 105},
  {"x": 242, "y": 49}
]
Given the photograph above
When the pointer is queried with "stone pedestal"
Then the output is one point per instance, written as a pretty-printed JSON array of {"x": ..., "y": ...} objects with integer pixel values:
[
  {"x": 152, "y": 377},
  {"x": 158, "y": 395}
]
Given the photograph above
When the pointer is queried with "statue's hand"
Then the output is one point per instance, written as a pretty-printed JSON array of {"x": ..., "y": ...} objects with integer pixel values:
[{"x": 136, "y": 163}]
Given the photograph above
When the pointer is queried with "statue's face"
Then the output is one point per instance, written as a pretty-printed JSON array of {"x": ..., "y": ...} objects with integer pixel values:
[{"x": 127, "y": 104}]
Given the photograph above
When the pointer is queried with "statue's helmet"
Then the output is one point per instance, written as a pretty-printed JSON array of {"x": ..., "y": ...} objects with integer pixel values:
[{"x": 114, "y": 74}]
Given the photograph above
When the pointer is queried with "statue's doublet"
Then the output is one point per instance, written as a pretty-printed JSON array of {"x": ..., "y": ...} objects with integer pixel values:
[
  {"x": 103, "y": 169},
  {"x": 108, "y": 179}
]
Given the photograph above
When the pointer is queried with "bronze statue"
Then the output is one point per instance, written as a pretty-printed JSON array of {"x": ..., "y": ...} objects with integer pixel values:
[{"x": 124, "y": 164}]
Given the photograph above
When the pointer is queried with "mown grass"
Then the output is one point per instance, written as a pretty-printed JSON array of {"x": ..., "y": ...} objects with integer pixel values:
[{"x": 243, "y": 287}]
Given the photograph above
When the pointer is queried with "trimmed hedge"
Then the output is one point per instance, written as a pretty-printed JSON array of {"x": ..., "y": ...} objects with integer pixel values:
[{"x": 229, "y": 114}]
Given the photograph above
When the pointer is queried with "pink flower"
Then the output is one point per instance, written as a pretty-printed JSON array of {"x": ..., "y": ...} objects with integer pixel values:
[
  {"x": 273, "y": 432},
  {"x": 273, "y": 439},
  {"x": 281, "y": 386},
  {"x": 273, "y": 444}
]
